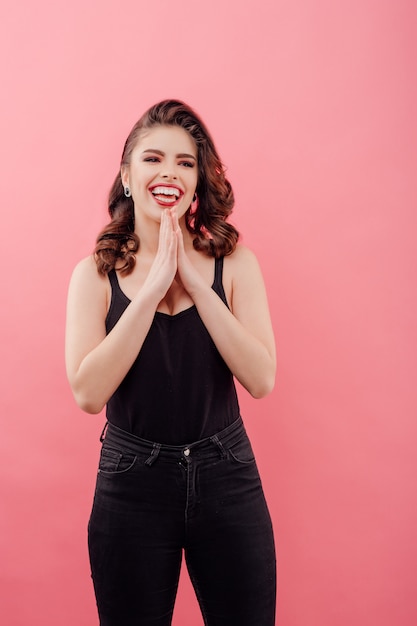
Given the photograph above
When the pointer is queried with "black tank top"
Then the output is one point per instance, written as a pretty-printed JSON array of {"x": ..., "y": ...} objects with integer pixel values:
[{"x": 179, "y": 389}]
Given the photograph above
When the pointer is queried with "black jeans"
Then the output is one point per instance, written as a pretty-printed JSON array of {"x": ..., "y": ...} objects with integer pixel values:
[{"x": 153, "y": 501}]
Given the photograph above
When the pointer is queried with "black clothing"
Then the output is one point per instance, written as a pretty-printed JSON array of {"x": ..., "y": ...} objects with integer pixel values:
[
  {"x": 179, "y": 389},
  {"x": 154, "y": 502}
]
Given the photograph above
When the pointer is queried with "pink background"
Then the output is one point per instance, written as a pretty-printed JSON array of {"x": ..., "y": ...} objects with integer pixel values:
[{"x": 313, "y": 106}]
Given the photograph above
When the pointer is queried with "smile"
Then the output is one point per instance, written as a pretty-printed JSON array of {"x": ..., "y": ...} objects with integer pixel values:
[{"x": 166, "y": 194}]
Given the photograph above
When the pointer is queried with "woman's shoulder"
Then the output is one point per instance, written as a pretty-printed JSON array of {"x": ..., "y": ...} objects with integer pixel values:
[
  {"x": 242, "y": 253},
  {"x": 87, "y": 266},
  {"x": 242, "y": 267},
  {"x": 241, "y": 259},
  {"x": 85, "y": 274}
]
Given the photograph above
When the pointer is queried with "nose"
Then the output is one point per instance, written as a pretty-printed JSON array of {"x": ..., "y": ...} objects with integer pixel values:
[{"x": 168, "y": 171}]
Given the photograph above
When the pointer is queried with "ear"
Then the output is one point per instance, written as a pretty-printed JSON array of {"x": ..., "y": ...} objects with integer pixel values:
[{"x": 124, "y": 174}]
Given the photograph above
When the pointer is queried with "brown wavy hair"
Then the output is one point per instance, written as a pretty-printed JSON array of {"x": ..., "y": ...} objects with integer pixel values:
[{"x": 205, "y": 219}]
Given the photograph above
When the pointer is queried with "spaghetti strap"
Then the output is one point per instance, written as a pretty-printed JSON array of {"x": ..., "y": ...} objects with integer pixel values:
[
  {"x": 115, "y": 287},
  {"x": 218, "y": 280},
  {"x": 113, "y": 280},
  {"x": 218, "y": 271},
  {"x": 118, "y": 300}
]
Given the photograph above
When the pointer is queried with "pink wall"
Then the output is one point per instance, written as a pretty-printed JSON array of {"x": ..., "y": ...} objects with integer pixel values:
[{"x": 313, "y": 107}]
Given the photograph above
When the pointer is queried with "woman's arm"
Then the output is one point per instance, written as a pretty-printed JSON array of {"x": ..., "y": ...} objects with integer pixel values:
[
  {"x": 97, "y": 363},
  {"x": 244, "y": 335}
]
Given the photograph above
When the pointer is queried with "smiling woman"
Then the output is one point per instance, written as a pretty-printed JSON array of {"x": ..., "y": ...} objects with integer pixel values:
[
  {"x": 215, "y": 195},
  {"x": 160, "y": 320},
  {"x": 166, "y": 174}
]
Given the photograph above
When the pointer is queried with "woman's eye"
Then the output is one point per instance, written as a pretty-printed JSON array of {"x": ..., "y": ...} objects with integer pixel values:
[
  {"x": 151, "y": 159},
  {"x": 187, "y": 163}
]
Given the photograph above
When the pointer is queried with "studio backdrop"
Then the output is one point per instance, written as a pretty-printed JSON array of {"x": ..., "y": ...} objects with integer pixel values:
[{"x": 312, "y": 106}]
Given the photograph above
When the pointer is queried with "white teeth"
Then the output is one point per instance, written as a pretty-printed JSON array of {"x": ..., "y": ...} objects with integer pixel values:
[{"x": 166, "y": 191}]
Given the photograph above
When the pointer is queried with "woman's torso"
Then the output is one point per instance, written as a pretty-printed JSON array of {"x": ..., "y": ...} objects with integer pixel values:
[{"x": 179, "y": 389}]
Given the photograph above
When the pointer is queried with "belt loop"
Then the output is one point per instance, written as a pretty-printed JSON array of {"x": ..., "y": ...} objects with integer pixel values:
[
  {"x": 154, "y": 454},
  {"x": 214, "y": 439},
  {"x": 103, "y": 432}
]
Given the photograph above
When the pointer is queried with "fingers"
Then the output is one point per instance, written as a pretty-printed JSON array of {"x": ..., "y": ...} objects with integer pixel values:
[
  {"x": 177, "y": 229},
  {"x": 174, "y": 218},
  {"x": 170, "y": 234},
  {"x": 165, "y": 231}
]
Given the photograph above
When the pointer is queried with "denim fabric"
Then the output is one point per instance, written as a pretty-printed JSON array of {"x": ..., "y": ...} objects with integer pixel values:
[{"x": 153, "y": 502}]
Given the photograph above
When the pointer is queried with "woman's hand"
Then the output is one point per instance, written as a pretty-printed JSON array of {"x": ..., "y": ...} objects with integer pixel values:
[
  {"x": 165, "y": 265},
  {"x": 190, "y": 278},
  {"x": 97, "y": 362}
]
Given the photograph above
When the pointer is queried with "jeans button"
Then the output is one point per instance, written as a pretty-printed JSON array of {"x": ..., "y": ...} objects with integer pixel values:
[{"x": 186, "y": 451}]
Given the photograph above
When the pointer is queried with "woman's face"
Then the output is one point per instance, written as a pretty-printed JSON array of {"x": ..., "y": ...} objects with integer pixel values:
[{"x": 162, "y": 172}]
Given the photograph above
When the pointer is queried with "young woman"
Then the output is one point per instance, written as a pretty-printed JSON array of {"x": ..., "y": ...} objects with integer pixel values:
[{"x": 160, "y": 319}]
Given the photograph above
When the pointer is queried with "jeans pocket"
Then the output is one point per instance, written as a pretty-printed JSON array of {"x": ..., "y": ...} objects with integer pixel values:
[
  {"x": 115, "y": 462},
  {"x": 241, "y": 451}
]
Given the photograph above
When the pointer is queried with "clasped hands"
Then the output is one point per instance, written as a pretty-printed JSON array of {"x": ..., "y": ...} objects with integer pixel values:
[{"x": 171, "y": 261}]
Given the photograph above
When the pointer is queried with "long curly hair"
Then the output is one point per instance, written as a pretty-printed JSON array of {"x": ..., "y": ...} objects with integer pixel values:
[{"x": 205, "y": 219}]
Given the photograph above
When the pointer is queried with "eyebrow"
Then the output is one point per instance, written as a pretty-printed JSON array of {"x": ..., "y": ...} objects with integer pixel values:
[{"x": 181, "y": 155}]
